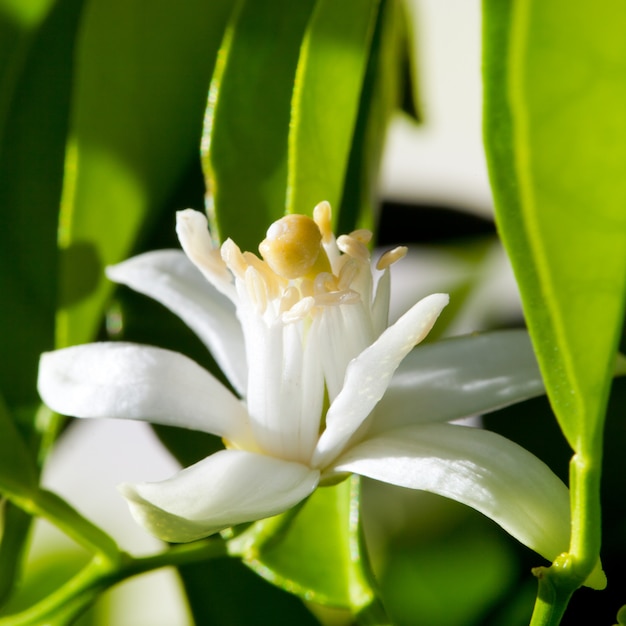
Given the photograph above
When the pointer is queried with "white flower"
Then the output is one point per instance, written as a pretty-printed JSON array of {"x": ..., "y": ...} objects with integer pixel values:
[{"x": 324, "y": 384}]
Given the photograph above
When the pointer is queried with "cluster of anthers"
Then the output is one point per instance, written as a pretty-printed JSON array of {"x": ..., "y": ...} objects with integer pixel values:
[{"x": 304, "y": 267}]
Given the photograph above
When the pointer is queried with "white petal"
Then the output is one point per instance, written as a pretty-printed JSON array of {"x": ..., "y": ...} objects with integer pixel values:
[
  {"x": 476, "y": 467},
  {"x": 139, "y": 382},
  {"x": 227, "y": 488},
  {"x": 450, "y": 379},
  {"x": 170, "y": 278},
  {"x": 368, "y": 375},
  {"x": 380, "y": 306}
]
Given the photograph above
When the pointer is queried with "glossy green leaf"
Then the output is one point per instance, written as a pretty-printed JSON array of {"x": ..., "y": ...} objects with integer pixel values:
[
  {"x": 314, "y": 551},
  {"x": 143, "y": 70},
  {"x": 326, "y": 99},
  {"x": 247, "y": 121},
  {"x": 555, "y": 95},
  {"x": 382, "y": 93},
  {"x": 556, "y": 137}
]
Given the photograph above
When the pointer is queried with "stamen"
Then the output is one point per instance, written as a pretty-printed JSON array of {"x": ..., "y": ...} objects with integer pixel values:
[
  {"x": 324, "y": 283},
  {"x": 290, "y": 297},
  {"x": 347, "y": 274},
  {"x": 337, "y": 298},
  {"x": 274, "y": 283},
  {"x": 255, "y": 285},
  {"x": 354, "y": 248},
  {"x": 231, "y": 255},
  {"x": 306, "y": 288},
  {"x": 299, "y": 311},
  {"x": 390, "y": 257},
  {"x": 322, "y": 217}
]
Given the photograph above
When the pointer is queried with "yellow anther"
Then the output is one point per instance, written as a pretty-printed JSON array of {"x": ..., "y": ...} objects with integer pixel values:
[
  {"x": 390, "y": 257},
  {"x": 362, "y": 234},
  {"x": 293, "y": 247},
  {"x": 322, "y": 216}
]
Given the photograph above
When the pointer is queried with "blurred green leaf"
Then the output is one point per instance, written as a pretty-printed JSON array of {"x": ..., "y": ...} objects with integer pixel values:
[
  {"x": 35, "y": 105},
  {"x": 556, "y": 137},
  {"x": 247, "y": 121},
  {"x": 19, "y": 24},
  {"x": 45, "y": 574},
  {"x": 314, "y": 551},
  {"x": 225, "y": 591},
  {"x": 329, "y": 83},
  {"x": 450, "y": 577},
  {"x": 14, "y": 527},
  {"x": 143, "y": 70},
  {"x": 17, "y": 469},
  {"x": 36, "y": 50}
]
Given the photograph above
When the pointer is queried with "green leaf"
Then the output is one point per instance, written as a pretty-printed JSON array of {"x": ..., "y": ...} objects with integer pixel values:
[
  {"x": 556, "y": 139},
  {"x": 247, "y": 120},
  {"x": 143, "y": 70},
  {"x": 382, "y": 93},
  {"x": 555, "y": 95},
  {"x": 19, "y": 24},
  {"x": 326, "y": 99},
  {"x": 14, "y": 525},
  {"x": 36, "y": 49},
  {"x": 315, "y": 551}
]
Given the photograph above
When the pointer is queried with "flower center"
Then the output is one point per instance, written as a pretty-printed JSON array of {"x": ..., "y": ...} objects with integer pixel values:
[{"x": 293, "y": 248}]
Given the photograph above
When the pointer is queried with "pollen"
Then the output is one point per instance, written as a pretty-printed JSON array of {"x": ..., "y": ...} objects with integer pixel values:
[{"x": 293, "y": 248}]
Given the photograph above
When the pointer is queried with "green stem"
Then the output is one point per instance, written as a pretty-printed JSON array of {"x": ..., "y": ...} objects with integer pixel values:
[
  {"x": 56, "y": 510},
  {"x": 586, "y": 513},
  {"x": 574, "y": 568},
  {"x": 69, "y": 601},
  {"x": 551, "y": 602}
]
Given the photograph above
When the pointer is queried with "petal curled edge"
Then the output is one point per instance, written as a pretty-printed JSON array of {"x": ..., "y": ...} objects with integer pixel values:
[
  {"x": 368, "y": 375},
  {"x": 129, "y": 381},
  {"x": 171, "y": 279},
  {"x": 454, "y": 378},
  {"x": 479, "y": 468},
  {"x": 230, "y": 487}
]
